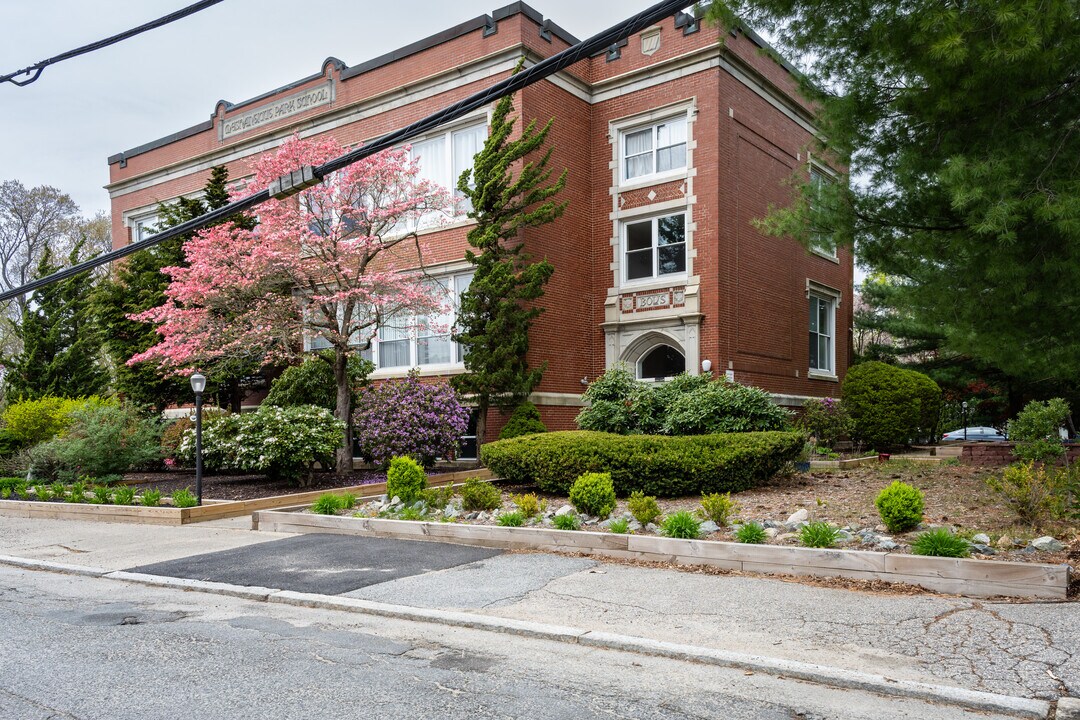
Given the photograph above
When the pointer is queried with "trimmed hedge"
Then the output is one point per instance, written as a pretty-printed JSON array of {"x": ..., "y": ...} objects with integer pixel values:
[
  {"x": 654, "y": 464},
  {"x": 891, "y": 406}
]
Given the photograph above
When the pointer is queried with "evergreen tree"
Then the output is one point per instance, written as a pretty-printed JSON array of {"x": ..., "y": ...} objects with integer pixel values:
[
  {"x": 59, "y": 337},
  {"x": 136, "y": 285},
  {"x": 958, "y": 124},
  {"x": 498, "y": 308}
]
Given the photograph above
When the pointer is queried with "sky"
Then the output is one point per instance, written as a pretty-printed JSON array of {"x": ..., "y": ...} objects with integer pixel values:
[{"x": 61, "y": 129}]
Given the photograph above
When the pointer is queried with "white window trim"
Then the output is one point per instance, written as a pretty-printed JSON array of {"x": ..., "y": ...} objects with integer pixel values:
[
  {"x": 618, "y": 130},
  {"x": 655, "y": 177},
  {"x": 833, "y": 297},
  {"x": 833, "y": 176},
  {"x": 656, "y": 277}
]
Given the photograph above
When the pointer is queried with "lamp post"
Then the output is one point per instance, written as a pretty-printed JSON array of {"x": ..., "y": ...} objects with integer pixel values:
[
  {"x": 963, "y": 408},
  {"x": 198, "y": 384}
]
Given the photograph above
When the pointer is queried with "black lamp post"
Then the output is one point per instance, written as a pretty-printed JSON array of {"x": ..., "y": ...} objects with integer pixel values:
[
  {"x": 963, "y": 407},
  {"x": 198, "y": 384}
]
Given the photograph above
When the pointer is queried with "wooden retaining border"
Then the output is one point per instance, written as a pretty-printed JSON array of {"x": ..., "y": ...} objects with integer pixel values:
[
  {"x": 210, "y": 510},
  {"x": 979, "y": 578},
  {"x": 837, "y": 464}
]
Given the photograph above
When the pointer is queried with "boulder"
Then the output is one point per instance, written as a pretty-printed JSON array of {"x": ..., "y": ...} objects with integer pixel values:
[
  {"x": 797, "y": 517},
  {"x": 565, "y": 510},
  {"x": 1047, "y": 544}
]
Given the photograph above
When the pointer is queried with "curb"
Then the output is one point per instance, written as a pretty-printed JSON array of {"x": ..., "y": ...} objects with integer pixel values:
[
  {"x": 1068, "y": 709},
  {"x": 819, "y": 674}
]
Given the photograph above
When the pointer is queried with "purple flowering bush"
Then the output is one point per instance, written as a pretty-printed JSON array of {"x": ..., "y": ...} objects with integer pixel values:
[
  {"x": 411, "y": 418},
  {"x": 826, "y": 420}
]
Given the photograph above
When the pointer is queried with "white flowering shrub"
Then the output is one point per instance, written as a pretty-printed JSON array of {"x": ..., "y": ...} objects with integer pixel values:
[{"x": 283, "y": 442}]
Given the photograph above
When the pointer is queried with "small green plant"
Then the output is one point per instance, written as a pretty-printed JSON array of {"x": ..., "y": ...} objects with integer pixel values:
[
  {"x": 1034, "y": 492},
  {"x": 5, "y": 492},
  {"x": 327, "y": 504},
  {"x": 939, "y": 542},
  {"x": 900, "y": 506},
  {"x": 101, "y": 495},
  {"x": 439, "y": 497},
  {"x": 620, "y": 526},
  {"x": 348, "y": 501},
  {"x": 42, "y": 492},
  {"x": 512, "y": 519},
  {"x": 124, "y": 495},
  {"x": 22, "y": 490},
  {"x": 643, "y": 507},
  {"x": 530, "y": 505},
  {"x": 58, "y": 490},
  {"x": 405, "y": 480},
  {"x": 568, "y": 521},
  {"x": 77, "y": 492},
  {"x": 151, "y": 498},
  {"x": 593, "y": 494},
  {"x": 719, "y": 508},
  {"x": 184, "y": 498},
  {"x": 412, "y": 513},
  {"x": 819, "y": 535},
  {"x": 479, "y": 495},
  {"x": 751, "y": 534},
  {"x": 682, "y": 525}
]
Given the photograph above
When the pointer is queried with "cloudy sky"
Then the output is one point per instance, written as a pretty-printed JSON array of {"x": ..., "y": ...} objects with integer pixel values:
[{"x": 60, "y": 130}]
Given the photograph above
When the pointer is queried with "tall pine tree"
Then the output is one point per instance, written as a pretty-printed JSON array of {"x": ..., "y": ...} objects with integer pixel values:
[
  {"x": 508, "y": 193},
  {"x": 61, "y": 342}
]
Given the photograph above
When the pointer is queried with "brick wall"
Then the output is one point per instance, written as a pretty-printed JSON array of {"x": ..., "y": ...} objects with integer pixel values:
[{"x": 1001, "y": 454}]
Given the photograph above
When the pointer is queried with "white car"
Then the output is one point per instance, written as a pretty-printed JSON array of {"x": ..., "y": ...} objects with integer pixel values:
[{"x": 975, "y": 434}]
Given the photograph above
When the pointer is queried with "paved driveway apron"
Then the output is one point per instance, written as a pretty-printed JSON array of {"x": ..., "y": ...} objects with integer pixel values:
[{"x": 325, "y": 564}]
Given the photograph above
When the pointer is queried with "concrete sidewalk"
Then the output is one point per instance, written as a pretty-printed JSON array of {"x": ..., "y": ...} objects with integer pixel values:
[{"x": 1024, "y": 650}]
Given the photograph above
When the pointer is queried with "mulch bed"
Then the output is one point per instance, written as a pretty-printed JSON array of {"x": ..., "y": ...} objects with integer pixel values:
[{"x": 247, "y": 487}]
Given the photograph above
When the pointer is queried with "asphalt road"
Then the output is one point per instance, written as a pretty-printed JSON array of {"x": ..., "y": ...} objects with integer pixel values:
[{"x": 77, "y": 647}]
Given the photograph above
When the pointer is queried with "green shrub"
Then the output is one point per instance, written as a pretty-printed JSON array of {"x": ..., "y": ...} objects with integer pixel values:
[
  {"x": 281, "y": 442},
  {"x": 102, "y": 495},
  {"x": 725, "y": 407},
  {"x": 889, "y": 405},
  {"x": 643, "y": 507},
  {"x": 939, "y": 542},
  {"x": 77, "y": 492},
  {"x": 681, "y": 525},
  {"x": 751, "y": 534},
  {"x": 610, "y": 399},
  {"x": 654, "y": 464},
  {"x": 5, "y": 492},
  {"x": 101, "y": 439},
  {"x": 620, "y": 526},
  {"x": 58, "y": 490},
  {"x": 511, "y": 519},
  {"x": 111, "y": 479},
  {"x": 9, "y": 444},
  {"x": 593, "y": 494},
  {"x": 124, "y": 495},
  {"x": 10, "y": 482},
  {"x": 819, "y": 535},
  {"x": 530, "y": 505},
  {"x": 30, "y": 422},
  {"x": 405, "y": 479},
  {"x": 1034, "y": 492},
  {"x": 477, "y": 494},
  {"x": 312, "y": 382},
  {"x": 900, "y": 506},
  {"x": 826, "y": 420},
  {"x": 173, "y": 434},
  {"x": 42, "y": 492},
  {"x": 412, "y": 513},
  {"x": 719, "y": 508},
  {"x": 569, "y": 521},
  {"x": 525, "y": 420},
  {"x": 151, "y": 498},
  {"x": 348, "y": 501},
  {"x": 439, "y": 497},
  {"x": 184, "y": 498},
  {"x": 1035, "y": 431},
  {"x": 327, "y": 504},
  {"x": 22, "y": 491}
]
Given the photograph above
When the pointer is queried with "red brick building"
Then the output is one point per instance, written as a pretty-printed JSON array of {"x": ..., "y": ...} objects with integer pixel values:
[{"x": 675, "y": 141}]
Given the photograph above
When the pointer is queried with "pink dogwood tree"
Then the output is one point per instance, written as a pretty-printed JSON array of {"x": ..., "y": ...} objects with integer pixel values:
[{"x": 329, "y": 262}]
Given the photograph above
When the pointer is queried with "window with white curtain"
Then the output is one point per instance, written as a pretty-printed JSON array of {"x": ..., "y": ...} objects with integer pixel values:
[
  {"x": 656, "y": 150},
  {"x": 443, "y": 158},
  {"x": 408, "y": 341}
]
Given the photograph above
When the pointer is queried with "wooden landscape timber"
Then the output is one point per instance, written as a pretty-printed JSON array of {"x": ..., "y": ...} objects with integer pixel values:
[{"x": 977, "y": 578}]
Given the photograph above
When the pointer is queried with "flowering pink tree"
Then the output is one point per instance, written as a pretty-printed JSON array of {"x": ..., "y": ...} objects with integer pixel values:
[{"x": 327, "y": 262}]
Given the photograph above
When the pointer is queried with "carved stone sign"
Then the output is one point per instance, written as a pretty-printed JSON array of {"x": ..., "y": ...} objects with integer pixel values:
[
  {"x": 645, "y": 302},
  {"x": 283, "y": 108}
]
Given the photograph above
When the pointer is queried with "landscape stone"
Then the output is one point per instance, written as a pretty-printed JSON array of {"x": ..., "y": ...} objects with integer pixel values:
[
  {"x": 983, "y": 549},
  {"x": 396, "y": 500},
  {"x": 771, "y": 532},
  {"x": 887, "y": 545},
  {"x": 981, "y": 539},
  {"x": 634, "y": 525},
  {"x": 652, "y": 528},
  {"x": 798, "y": 516},
  {"x": 1047, "y": 544},
  {"x": 1005, "y": 542},
  {"x": 565, "y": 510},
  {"x": 709, "y": 527},
  {"x": 450, "y": 512}
]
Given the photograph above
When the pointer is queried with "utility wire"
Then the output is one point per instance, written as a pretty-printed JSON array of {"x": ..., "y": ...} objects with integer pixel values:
[
  {"x": 35, "y": 70},
  {"x": 510, "y": 85}
]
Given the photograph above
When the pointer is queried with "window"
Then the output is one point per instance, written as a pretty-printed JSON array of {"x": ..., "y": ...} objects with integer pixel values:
[
  {"x": 407, "y": 341},
  {"x": 655, "y": 247},
  {"x": 655, "y": 150},
  {"x": 822, "y": 334},
  {"x": 445, "y": 157},
  {"x": 662, "y": 362},
  {"x": 467, "y": 447},
  {"x": 143, "y": 228},
  {"x": 821, "y": 242}
]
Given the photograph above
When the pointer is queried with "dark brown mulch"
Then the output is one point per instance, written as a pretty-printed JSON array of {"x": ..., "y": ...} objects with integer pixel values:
[{"x": 248, "y": 487}]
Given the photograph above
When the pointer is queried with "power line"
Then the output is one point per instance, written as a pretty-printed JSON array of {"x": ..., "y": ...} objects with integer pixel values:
[
  {"x": 309, "y": 175},
  {"x": 35, "y": 70}
]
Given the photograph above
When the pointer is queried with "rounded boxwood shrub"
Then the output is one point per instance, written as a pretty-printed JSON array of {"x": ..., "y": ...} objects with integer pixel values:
[
  {"x": 405, "y": 480},
  {"x": 900, "y": 506},
  {"x": 654, "y": 464},
  {"x": 477, "y": 494},
  {"x": 525, "y": 420},
  {"x": 890, "y": 405},
  {"x": 593, "y": 494}
]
